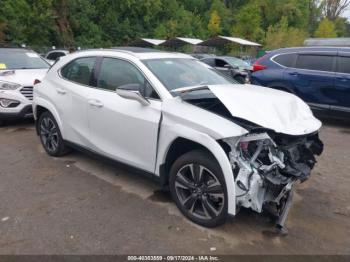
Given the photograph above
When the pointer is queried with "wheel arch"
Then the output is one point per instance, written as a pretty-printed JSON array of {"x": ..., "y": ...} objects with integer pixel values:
[
  {"x": 42, "y": 106},
  {"x": 183, "y": 139}
]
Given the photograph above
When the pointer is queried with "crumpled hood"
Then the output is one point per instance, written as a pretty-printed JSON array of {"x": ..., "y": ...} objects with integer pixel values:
[
  {"x": 24, "y": 77},
  {"x": 269, "y": 108}
]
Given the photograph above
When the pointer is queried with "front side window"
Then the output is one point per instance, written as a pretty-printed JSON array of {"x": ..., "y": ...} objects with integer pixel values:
[
  {"x": 185, "y": 72},
  {"x": 116, "y": 73},
  {"x": 236, "y": 62},
  {"x": 344, "y": 64},
  {"x": 21, "y": 59},
  {"x": 79, "y": 70},
  {"x": 315, "y": 62},
  {"x": 220, "y": 63}
]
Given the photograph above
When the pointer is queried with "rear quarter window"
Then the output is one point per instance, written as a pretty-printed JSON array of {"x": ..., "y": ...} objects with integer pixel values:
[
  {"x": 286, "y": 60},
  {"x": 344, "y": 64},
  {"x": 79, "y": 70}
]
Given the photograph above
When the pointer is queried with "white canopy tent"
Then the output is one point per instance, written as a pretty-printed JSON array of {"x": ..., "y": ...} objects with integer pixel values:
[
  {"x": 146, "y": 42},
  {"x": 223, "y": 40},
  {"x": 181, "y": 41}
]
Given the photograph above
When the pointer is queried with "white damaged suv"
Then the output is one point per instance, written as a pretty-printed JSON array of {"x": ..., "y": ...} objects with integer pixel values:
[
  {"x": 217, "y": 144},
  {"x": 19, "y": 67}
]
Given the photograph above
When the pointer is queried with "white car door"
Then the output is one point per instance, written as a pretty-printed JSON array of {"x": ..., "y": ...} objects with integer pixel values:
[
  {"x": 72, "y": 97},
  {"x": 120, "y": 128}
]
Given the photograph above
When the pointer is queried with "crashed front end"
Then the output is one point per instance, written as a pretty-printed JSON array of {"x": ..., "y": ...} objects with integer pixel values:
[{"x": 266, "y": 167}]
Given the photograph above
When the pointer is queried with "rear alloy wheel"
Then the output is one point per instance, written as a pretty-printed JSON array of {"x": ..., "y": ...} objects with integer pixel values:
[
  {"x": 198, "y": 188},
  {"x": 50, "y": 135}
]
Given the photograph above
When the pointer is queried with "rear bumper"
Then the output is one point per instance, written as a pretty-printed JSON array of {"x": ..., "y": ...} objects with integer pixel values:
[{"x": 26, "y": 112}]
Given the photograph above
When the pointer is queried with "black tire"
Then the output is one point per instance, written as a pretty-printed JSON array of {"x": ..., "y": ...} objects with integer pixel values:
[
  {"x": 240, "y": 79},
  {"x": 2, "y": 123},
  {"x": 205, "y": 200},
  {"x": 50, "y": 135}
]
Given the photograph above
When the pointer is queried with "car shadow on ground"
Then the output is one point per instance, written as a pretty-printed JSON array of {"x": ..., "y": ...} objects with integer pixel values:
[{"x": 333, "y": 122}]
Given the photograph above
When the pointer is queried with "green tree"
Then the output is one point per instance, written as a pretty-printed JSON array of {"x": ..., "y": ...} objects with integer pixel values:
[
  {"x": 326, "y": 29},
  {"x": 342, "y": 27},
  {"x": 2, "y": 31},
  {"x": 248, "y": 23},
  {"x": 214, "y": 24},
  {"x": 281, "y": 35}
]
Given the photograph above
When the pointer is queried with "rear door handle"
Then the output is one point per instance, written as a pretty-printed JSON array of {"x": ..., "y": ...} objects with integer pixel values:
[
  {"x": 294, "y": 73},
  {"x": 343, "y": 79},
  {"x": 61, "y": 91},
  {"x": 96, "y": 103}
]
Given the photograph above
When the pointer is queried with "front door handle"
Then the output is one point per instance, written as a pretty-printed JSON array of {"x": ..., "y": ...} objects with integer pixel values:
[
  {"x": 61, "y": 91},
  {"x": 95, "y": 103}
]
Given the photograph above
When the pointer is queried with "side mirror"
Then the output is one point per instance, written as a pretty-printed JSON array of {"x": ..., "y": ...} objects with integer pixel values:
[{"x": 132, "y": 92}]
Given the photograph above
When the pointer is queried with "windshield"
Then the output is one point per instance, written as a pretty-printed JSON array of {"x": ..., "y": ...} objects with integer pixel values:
[
  {"x": 21, "y": 59},
  {"x": 236, "y": 62},
  {"x": 185, "y": 72}
]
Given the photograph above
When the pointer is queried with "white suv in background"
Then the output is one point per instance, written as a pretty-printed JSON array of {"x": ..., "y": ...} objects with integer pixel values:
[
  {"x": 217, "y": 144},
  {"x": 19, "y": 67}
]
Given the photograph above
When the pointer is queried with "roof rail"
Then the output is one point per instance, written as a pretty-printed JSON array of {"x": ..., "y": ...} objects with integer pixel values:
[{"x": 10, "y": 45}]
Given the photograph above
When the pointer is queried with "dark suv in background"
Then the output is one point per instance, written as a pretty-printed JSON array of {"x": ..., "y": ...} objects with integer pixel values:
[{"x": 318, "y": 75}]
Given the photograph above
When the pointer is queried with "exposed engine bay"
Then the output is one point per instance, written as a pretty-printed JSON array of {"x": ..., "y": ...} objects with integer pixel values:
[
  {"x": 266, "y": 164},
  {"x": 266, "y": 170}
]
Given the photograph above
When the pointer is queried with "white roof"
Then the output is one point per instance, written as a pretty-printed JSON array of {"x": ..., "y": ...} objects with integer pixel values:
[
  {"x": 222, "y": 40},
  {"x": 179, "y": 41}
]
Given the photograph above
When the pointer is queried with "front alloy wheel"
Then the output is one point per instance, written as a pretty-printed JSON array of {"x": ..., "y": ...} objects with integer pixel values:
[
  {"x": 50, "y": 135},
  {"x": 198, "y": 188}
]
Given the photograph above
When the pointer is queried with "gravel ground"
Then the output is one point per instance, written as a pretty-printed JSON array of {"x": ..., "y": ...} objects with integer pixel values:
[{"x": 80, "y": 205}]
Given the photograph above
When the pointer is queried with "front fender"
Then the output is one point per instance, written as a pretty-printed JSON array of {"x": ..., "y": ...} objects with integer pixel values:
[
  {"x": 169, "y": 133},
  {"x": 39, "y": 101}
]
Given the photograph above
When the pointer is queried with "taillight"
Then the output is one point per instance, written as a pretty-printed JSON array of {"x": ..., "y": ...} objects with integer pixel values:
[
  {"x": 257, "y": 66},
  {"x": 37, "y": 81}
]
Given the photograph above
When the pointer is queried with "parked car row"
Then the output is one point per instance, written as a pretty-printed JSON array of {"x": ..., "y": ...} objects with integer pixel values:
[
  {"x": 318, "y": 75},
  {"x": 19, "y": 67},
  {"x": 218, "y": 145}
]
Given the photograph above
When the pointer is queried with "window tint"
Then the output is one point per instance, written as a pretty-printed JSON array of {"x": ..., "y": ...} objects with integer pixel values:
[
  {"x": 209, "y": 61},
  {"x": 55, "y": 55},
  {"x": 220, "y": 63},
  {"x": 285, "y": 59},
  {"x": 315, "y": 62},
  {"x": 344, "y": 64},
  {"x": 115, "y": 73},
  {"x": 79, "y": 70}
]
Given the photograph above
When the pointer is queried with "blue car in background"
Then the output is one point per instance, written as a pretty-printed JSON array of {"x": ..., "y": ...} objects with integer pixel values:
[{"x": 318, "y": 75}]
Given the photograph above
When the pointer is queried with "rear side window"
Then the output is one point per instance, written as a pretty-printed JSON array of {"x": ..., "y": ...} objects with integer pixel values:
[
  {"x": 344, "y": 64},
  {"x": 79, "y": 70},
  {"x": 315, "y": 62},
  {"x": 286, "y": 60}
]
